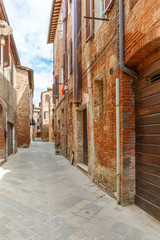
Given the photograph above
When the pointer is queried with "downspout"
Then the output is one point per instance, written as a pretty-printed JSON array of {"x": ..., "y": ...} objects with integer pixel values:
[
  {"x": 120, "y": 44},
  {"x": 117, "y": 112}
]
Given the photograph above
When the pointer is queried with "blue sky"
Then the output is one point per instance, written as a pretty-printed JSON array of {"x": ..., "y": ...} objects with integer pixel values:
[{"x": 30, "y": 21}]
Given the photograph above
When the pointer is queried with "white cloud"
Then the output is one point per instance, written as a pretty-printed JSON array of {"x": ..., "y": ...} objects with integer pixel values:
[{"x": 30, "y": 22}]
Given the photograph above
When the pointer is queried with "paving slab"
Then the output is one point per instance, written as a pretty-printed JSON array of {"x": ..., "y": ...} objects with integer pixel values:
[{"x": 44, "y": 197}]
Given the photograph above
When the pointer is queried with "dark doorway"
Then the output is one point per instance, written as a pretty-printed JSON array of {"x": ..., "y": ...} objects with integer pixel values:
[
  {"x": 10, "y": 138},
  {"x": 85, "y": 141}
]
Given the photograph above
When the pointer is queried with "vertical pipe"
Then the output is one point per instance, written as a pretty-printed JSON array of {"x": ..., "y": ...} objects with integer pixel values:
[
  {"x": 117, "y": 112},
  {"x": 118, "y": 139}
]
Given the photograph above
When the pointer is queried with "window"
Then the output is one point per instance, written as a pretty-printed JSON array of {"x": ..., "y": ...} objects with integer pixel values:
[
  {"x": 102, "y": 7},
  {"x": 65, "y": 67},
  {"x": 57, "y": 86},
  {"x": 37, "y": 127},
  {"x": 37, "y": 119},
  {"x": 98, "y": 98},
  {"x": 46, "y": 115},
  {"x": 89, "y": 22},
  {"x": 6, "y": 52},
  {"x": 108, "y": 5},
  {"x": 70, "y": 59},
  {"x": 62, "y": 74},
  {"x": 47, "y": 97}
]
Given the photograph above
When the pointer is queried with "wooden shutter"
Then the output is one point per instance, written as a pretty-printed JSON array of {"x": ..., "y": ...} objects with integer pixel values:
[
  {"x": 89, "y": 22},
  {"x": 108, "y": 5},
  {"x": 54, "y": 93},
  {"x": 12, "y": 73},
  {"x": 44, "y": 115},
  {"x": 57, "y": 85},
  {"x": 77, "y": 52},
  {"x": 66, "y": 67},
  {"x": 70, "y": 57},
  {"x": 6, "y": 52},
  {"x": 64, "y": 37},
  {"x": 65, "y": 9}
]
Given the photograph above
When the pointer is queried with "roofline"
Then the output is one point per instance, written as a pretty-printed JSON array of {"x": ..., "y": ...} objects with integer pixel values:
[
  {"x": 13, "y": 44},
  {"x": 50, "y": 38}
]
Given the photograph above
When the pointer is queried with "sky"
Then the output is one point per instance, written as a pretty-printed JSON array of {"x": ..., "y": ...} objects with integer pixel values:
[{"x": 29, "y": 20}]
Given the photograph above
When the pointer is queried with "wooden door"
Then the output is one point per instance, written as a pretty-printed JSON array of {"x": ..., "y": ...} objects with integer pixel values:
[
  {"x": 148, "y": 139},
  {"x": 10, "y": 138},
  {"x": 85, "y": 140}
]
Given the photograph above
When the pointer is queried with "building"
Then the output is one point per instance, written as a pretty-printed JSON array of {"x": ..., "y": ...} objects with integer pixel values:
[
  {"x": 24, "y": 87},
  {"x": 108, "y": 119},
  {"x": 45, "y": 96},
  {"x": 51, "y": 109},
  {"x": 37, "y": 126},
  {"x": 10, "y": 67}
]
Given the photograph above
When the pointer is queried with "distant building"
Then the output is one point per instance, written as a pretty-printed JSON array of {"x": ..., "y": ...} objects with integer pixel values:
[
  {"x": 36, "y": 126},
  {"x": 51, "y": 120},
  {"x": 45, "y": 96}
]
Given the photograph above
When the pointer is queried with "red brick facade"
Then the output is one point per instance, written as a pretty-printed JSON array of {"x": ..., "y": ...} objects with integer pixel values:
[
  {"x": 98, "y": 91},
  {"x": 24, "y": 89}
]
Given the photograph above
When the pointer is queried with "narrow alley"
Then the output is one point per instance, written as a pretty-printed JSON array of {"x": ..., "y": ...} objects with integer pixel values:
[{"x": 42, "y": 196}]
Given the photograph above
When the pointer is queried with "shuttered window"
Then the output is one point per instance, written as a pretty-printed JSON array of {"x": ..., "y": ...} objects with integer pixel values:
[
  {"x": 6, "y": 52},
  {"x": 89, "y": 22},
  {"x": 64, "y": 67},
  {"x": 108, "y": 5},
  {"x": 70, "y": 58},
  {"x": 57, "y": 85},
  {"x": 54, "y": 93}
]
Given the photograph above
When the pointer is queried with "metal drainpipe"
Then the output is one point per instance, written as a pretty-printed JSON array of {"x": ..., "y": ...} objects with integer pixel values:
[
  {"x": 126, "y": 70},
  {"x": 117, "y": 112}
]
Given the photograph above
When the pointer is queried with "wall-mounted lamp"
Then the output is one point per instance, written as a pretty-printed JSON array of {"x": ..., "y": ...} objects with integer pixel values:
[
  {"x": 5, "y": 30},
  {"x": 2, "y": 41}
]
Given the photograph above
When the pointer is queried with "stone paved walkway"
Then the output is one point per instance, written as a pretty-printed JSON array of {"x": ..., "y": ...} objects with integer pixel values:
[{"x": 43, "y": 197}]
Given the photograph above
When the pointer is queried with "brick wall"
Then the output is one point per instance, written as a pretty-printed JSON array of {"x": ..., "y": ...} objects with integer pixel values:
[
  {"x": 142, "y": 34},
  {"x": 23, "y": 108}
]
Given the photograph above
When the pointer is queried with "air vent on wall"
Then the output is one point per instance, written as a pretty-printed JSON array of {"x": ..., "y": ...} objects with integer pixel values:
[{"x": 152, "y": 78}]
